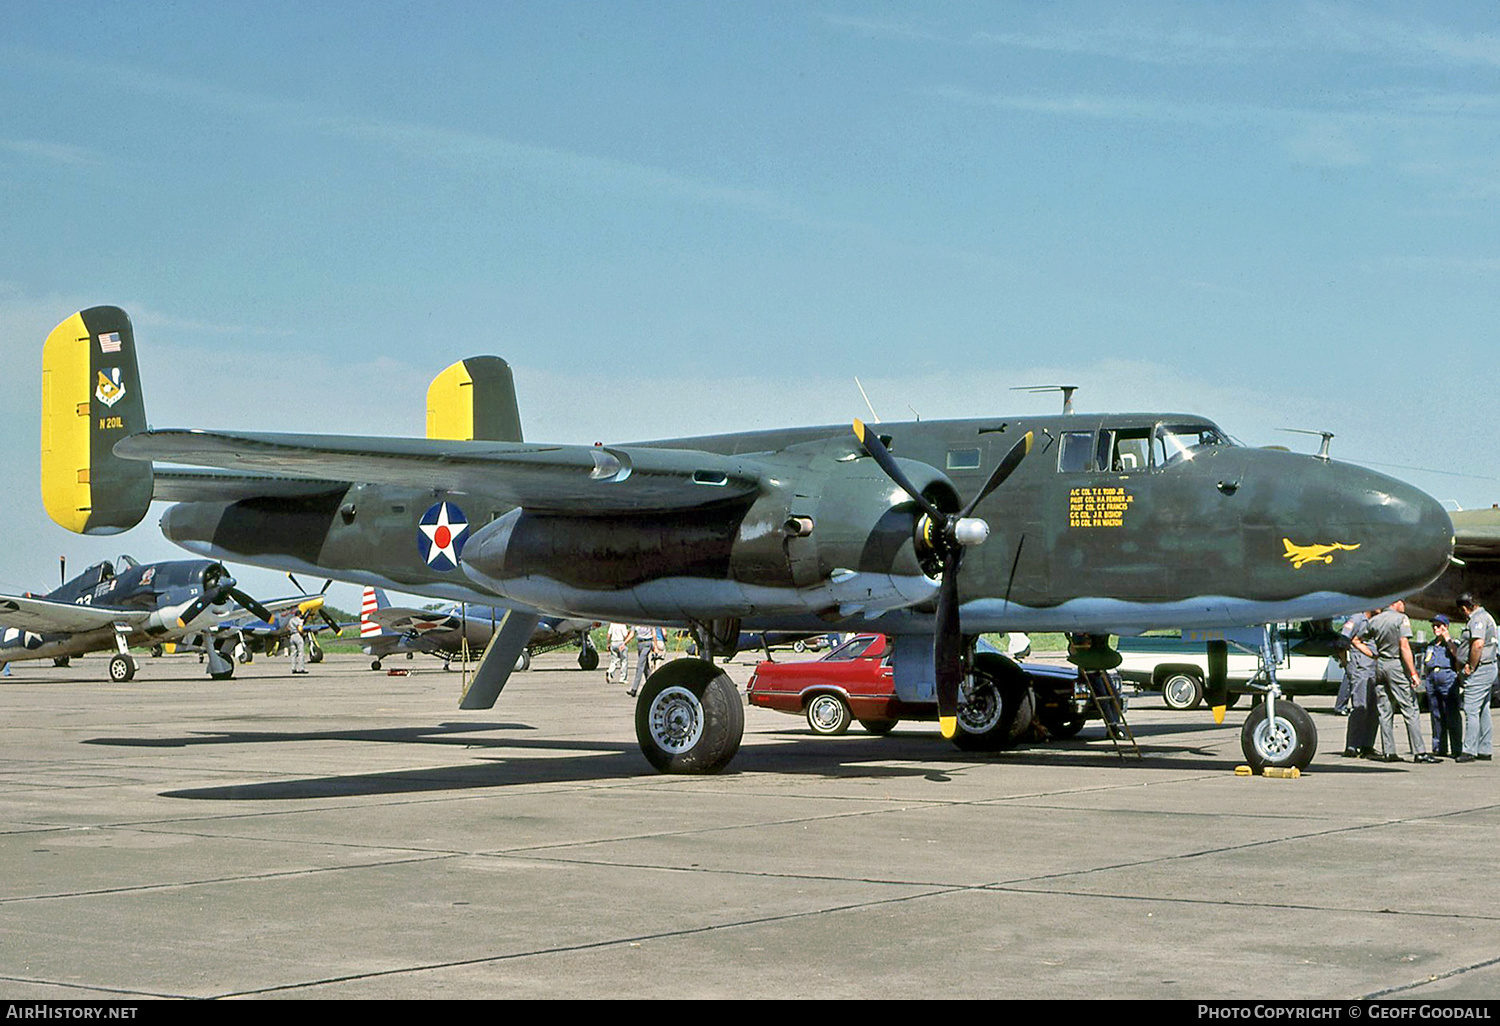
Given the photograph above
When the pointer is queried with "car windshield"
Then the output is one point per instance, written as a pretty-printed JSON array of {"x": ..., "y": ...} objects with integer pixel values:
[{"x": 1184, "y": 441}]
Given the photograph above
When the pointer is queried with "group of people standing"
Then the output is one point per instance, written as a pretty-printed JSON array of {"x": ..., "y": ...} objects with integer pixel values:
[
  {"x": 1381, "y": 678},
  {"x": 650, "y": 646}
]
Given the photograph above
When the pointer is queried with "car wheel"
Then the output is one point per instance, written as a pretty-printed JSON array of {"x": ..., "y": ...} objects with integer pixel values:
[
  {"x": 1182, "y": 691},
  {"x": 828, "y": 715},
  {"x": 1289, "y": 740}
]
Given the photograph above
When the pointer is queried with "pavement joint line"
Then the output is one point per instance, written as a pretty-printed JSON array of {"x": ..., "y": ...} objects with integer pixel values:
[
  {"x": 562, "y": 949},
  {"x": 1167, "y": 899},
  {"x": 278, "y": 874},
  {"x": 93, "y": 988},
  {"x": 1418, "y": 984}
]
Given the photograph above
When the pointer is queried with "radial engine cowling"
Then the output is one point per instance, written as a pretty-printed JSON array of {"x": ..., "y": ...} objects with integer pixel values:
[{"x": 829, "y": 536}]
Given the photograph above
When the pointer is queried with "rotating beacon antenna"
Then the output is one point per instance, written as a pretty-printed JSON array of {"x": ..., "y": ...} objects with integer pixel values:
[{"x": 946, "y": 535}]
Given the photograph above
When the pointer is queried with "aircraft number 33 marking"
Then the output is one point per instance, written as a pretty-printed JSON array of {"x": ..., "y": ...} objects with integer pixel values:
[{"x": 1098, "y": 507}]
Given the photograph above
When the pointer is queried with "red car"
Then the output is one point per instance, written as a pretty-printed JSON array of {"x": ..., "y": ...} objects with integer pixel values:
[{"x": 856, "y": 682}]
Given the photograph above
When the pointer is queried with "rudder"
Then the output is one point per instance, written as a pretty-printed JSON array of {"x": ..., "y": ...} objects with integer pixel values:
[
  {"x": 474, "y": 399},
  {"x": 91, "y": 398}
]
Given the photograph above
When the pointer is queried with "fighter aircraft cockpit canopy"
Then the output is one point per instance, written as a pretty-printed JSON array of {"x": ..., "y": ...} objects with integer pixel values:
[{"x": 1131, "y": 448}]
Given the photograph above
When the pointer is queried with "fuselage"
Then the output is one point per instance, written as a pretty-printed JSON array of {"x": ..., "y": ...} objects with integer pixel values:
[{"x": 1116, "y": 523}]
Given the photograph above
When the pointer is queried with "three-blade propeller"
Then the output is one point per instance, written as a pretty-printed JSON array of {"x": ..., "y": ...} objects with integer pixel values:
[{"x": 946, "y": 535}]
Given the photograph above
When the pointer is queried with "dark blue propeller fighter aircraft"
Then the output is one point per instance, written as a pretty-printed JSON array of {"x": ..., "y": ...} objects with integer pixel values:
[{"x": 931, "y": 532}]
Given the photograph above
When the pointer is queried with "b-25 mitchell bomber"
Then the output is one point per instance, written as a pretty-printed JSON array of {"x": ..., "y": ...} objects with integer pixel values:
[{"x": 936, "y": 531}]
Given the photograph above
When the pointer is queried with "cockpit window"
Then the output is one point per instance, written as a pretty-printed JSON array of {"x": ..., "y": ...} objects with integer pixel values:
[
  {"x": 1076, "y": 453},
  {"x": 1172, "y": 442},
  {"x": 1131, "y": 450}
]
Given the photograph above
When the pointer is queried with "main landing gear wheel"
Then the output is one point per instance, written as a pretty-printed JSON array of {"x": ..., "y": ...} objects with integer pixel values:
[
  {"x": 998, "y": 707},
  {"x": 523, "y": 662},
  {"x": 1290, "y": 740},
  {"x": 828, "y": 715},
  {"x": 588, "y": 658},
  {"x": 688, "y": 718},
  {"x": 314, "y": 652},
  {"x": 121, "y": 668},
  {"x": 1181, "y": 690},
  {"x": 374, "y": 664}
]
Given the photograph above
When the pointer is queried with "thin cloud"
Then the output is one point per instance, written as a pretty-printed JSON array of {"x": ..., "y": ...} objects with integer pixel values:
[{"x": 52, "y": 153}]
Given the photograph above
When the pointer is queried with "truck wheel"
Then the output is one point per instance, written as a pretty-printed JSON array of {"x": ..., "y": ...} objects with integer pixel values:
[
  {"x": 688, "y": 718},
  {"x": 1290, "y": 740},
  {"x": 1182, "y": 691},
  {"x": 828, "y": 715}
]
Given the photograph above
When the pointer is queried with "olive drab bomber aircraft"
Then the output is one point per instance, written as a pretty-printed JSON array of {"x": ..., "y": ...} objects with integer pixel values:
[{"x": 931, "y": 532}]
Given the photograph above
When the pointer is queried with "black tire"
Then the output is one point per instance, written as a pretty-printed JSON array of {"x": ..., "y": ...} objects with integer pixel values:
[
  {"x": 688, "y": 718},
  {"x": 65, "y": 660},
  {"x": 157, "y": 650},
  {"x": 523, "y": 662},
  {"x": 226, "y": 675},
  {"x": 828, "y": 715},
  {"x": 880, "y": 728},
  {"x": 588, "y": 658},
  {"x": 121, "y": 668},
  {"x": 1001, "y": 706},
  {"x": 1181, "y": 690},
  {"x": 1062, "y": 729},
  {"x": 314, "y": 652},
  {"x": 1291, "y": 741},
  {"x": 1232, "y": 699},
  {"x": 374, "y": 664}
]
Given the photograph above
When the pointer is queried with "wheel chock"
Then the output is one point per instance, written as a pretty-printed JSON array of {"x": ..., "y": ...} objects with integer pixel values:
[{"x": 1284, "y": 772}]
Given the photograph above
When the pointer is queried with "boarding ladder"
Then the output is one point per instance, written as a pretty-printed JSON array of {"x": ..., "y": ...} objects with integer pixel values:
[{"x": 1106, "y": 699}]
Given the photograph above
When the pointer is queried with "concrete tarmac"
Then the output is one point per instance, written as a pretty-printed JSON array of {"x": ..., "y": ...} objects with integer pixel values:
[{"x": 351, "y": 834}]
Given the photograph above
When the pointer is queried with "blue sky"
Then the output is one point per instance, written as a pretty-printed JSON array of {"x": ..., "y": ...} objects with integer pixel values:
[{"x": 676, "y": 218}]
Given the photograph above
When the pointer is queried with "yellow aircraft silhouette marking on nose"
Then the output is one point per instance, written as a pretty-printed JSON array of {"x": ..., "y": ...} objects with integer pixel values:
[{"x": 1301, "y": 555}]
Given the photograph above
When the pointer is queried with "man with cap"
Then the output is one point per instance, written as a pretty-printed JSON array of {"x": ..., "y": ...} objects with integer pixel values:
[
  {"x": 1440, "y": 676},
  {"x": 1389, "y": 634},
  {"x": 1477, "y": 675}
]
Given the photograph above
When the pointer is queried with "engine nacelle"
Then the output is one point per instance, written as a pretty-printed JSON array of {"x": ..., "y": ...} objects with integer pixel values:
[{"x": 843, "y": 540}]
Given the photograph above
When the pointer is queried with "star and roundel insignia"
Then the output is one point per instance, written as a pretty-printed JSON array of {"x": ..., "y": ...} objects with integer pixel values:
[{"x": 441, "y": 534}]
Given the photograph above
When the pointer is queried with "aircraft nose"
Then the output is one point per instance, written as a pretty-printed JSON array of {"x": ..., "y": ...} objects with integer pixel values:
[{"x": 1405, "y": 537}]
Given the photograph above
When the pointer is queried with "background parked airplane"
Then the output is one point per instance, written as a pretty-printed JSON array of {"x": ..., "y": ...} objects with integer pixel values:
[
  {"x": 113, "y": 607},
  {"x": 460, "y": 631}
]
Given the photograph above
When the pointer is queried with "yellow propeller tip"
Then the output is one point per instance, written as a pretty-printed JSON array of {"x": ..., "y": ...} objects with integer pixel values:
[
  {"x": 859, "y": 429},
  {"x": 1218, "y": 714},
  {"x": 948, "y": 725}
]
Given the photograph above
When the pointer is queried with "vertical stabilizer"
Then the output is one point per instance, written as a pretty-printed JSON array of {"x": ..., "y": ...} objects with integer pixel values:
[
  {"x": 91, "y": 398},
  {"x": 474, "y": 399}
]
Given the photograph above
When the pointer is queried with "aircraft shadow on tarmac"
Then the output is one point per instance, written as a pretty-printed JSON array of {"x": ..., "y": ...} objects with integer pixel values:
[{"x": 854, "y": 756}]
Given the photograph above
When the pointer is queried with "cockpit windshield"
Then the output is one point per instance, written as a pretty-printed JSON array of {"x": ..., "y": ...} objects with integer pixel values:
[{"x": 1184, "y": 441}]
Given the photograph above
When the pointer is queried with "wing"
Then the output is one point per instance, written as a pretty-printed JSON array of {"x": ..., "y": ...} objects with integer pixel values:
[
  {"x": 44, "y": 616},
  {"x": 420, "y": 621},
  {"x": 563, "y": 478}
]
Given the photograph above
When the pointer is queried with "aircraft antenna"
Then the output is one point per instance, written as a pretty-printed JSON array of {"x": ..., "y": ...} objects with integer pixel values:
[
  {"x": 62, "y": 564},
  {"x": 1327, "y": 437},
  {"x": 869, "y": 405},
  {"x": 1066, "y": 390}
]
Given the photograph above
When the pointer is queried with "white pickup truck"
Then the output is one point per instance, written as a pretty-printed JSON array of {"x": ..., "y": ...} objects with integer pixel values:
[{"x": 1178, "y": 667}]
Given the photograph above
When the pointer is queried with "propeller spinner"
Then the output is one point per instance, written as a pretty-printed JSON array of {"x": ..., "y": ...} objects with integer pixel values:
[
  {"x": 218, "y": 586},
  {"x": 946, "y": 535}
]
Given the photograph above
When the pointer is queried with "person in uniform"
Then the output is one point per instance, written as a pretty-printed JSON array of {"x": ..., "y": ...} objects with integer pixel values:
[
  {"x": 1389, "y": 634},
  {"x": 1477, "y": 676},
  {"x": 1440, "y": 677},
  {"x": 1359, "y": 680}
]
